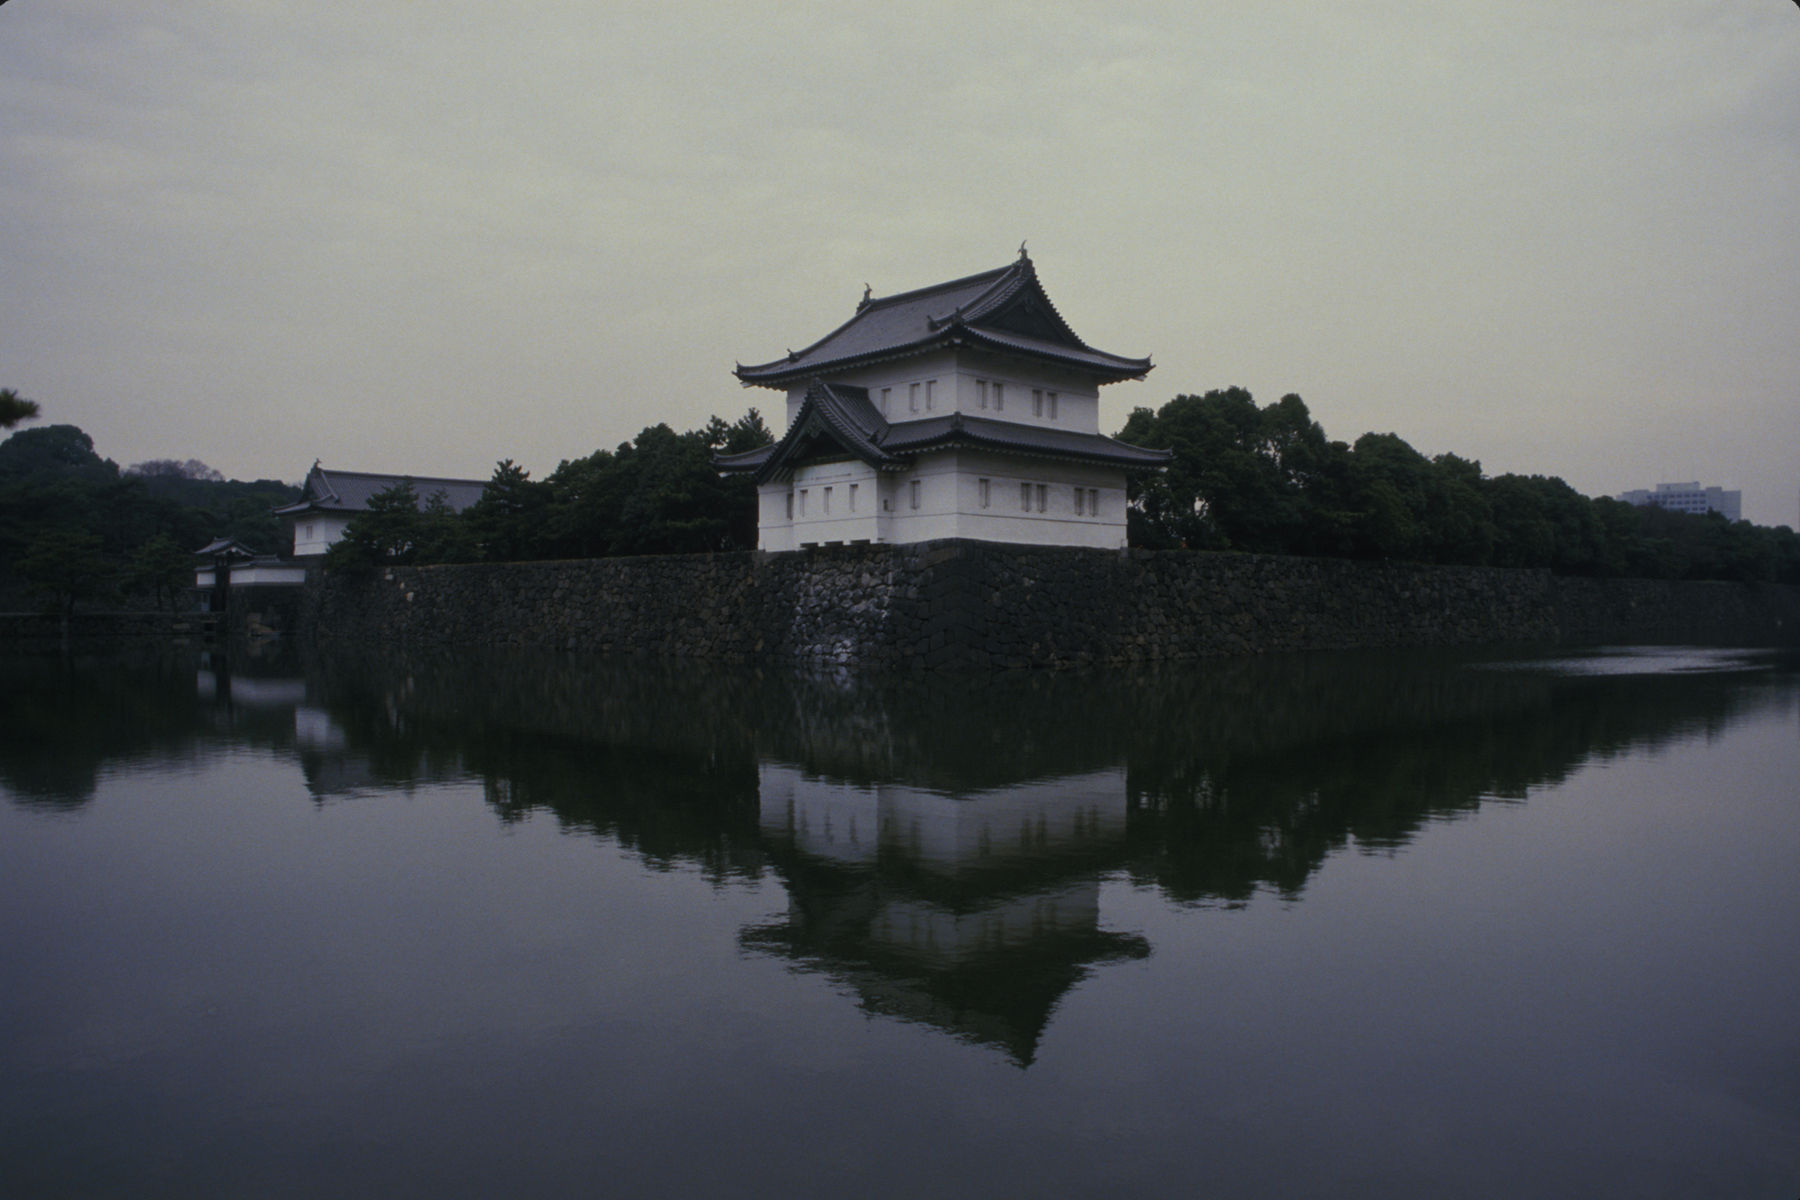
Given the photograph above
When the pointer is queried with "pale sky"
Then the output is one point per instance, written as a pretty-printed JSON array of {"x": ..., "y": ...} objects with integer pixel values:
[{"x": 1559, "y": 238}]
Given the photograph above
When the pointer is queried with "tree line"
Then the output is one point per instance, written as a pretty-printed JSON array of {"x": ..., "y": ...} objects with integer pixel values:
[
  {"x": 1267, "y": 480},
  {"x": 74, "y": 527},
  {"x": 656, "y": 494}
]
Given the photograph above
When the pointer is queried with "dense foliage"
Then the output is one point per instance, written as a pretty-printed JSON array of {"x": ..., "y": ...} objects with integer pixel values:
[
  {"x": 1267, "y": 480},
  {"x": 73, "y": 527},
  {"x": 657, "y": 494}
]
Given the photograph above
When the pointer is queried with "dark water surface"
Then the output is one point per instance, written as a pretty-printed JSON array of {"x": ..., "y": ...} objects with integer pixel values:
[{"x": 1350, "y": 925}]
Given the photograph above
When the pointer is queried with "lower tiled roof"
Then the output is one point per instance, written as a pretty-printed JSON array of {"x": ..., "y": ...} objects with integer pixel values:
[{"x": 844, "y": 415}]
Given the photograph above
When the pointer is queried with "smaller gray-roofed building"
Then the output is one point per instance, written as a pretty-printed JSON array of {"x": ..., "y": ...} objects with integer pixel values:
[{"x": 330, "y": 500}]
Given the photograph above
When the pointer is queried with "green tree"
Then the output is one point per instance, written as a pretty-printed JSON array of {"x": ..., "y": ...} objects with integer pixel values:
[
  {"x": 15, "y": 408},
  {"x": 387, "y": 534},
  {"x": 1242, "y": 478},
  {"x": 507, "y": 523},
  {"x": 444, "y": 536},
  {"x": 68, "y": 566},
  {"x": 162, "y": 568}
]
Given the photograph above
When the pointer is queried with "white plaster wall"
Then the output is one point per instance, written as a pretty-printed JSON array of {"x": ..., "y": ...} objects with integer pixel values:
[
  {"x": 1057, "y": 524},
  {"x": 1077, "y": 397},
  {"x": 315, "y": 532},
  {"x": 773, "y": 529},
  {"x": 840, "y": 517},
  {"x": 935, "y": 516},
  {"x": 955, "y": 374},
  {"x": 268, "y": 575},
  {"x": 898, "y": 378},
  {"x": 949, "y": 503}
]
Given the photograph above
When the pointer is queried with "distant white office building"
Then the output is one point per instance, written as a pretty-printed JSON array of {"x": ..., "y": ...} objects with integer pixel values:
[{"x": 1689, "y": 498}]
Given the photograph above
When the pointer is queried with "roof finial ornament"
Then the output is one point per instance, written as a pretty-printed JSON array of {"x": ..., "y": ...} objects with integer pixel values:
[
  {"x": 1023, "y": 257},
  {"x": 867, "y": 292}
]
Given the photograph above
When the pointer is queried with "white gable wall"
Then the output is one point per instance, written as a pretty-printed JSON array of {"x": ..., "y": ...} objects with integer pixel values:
[
  {"x": 949, "y": 382},
  {"x": 314, "y": 533}
]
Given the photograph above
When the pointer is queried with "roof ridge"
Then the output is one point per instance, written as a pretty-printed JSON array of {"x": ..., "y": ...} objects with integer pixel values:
[
  {"x": 920, "y": 292},
  {"x": 399, "y": 475}
]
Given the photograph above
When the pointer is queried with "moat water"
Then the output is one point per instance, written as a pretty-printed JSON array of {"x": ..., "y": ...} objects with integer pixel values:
[{"x": 274, "y": 924}]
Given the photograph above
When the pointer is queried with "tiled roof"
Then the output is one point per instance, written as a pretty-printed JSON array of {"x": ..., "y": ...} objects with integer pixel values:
[
  {"x": 844, "y": 416},
  {"x": 1005, "y": 309},
  {"x": 351, "y": 491},
  {"x": 835, "y": 412},
  {"x": 1010, "y": 437},
  {"x": 227, "y": 547}
]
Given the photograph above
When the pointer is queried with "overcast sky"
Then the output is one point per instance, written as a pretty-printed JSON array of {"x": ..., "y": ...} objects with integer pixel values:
[{"x": 397, "y": 235}]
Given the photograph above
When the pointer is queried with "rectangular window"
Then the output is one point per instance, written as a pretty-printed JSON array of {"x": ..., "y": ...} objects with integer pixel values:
[
  {"x": 981, "y": 486},
  {"x": 853, "y": 497},
  {"x": 1024, "y": 497},
  {"x": 1037, "y": 402},
  {"x": 790, "y": 506},
  {"x": 1093, "y": 502},
  {"x": 1043, "y": 496},
  {"x": 999, "y": 396},
  {"x": 915, "y": 493},
  {"x": 981, "y": 393},
  {"x": 912, "y": 397},
  {"x": 1051, "y": 397},
  {"x": 803, "y": 502},
  {"x": 930, "y": 392},
  {"x": 828, "y": 502},
  {"x": 886, "y": 393},
  {"x": 1079, "y": 505}
]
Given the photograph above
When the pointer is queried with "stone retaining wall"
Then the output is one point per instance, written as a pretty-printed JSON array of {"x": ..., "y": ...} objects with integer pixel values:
[{"x": 961, "y": 604}]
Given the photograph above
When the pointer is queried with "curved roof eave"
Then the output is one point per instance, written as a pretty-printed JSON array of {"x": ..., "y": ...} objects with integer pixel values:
[{"x": 1109, "y": 368}]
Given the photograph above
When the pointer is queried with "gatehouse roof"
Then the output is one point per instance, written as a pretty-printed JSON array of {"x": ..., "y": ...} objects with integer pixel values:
[{"x": 1004, "y": 310}]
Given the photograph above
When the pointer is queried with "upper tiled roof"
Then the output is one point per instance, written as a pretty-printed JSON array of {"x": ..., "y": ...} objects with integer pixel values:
[
  {"x": 843, "y": 416},
  {"x": 1005, "y": 310},
  {"x": 350, "y": 491}
]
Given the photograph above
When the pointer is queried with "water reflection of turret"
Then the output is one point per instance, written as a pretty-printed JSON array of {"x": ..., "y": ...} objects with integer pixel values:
[
  {"x": 972, "y": 911},
  {"x": 1240, "y": 774}
]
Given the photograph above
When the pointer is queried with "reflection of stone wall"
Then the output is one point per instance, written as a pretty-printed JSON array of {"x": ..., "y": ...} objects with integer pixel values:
[{"x": 975, "y": 604}]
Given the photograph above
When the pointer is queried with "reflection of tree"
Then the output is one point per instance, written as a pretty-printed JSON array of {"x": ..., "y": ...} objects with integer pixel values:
[
  {"x": 621, "y": 750},
  {"x": 69, "y": 717},
  {"x": 1239, "y": 773},
  {"x": 1393, "y": 744}
]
